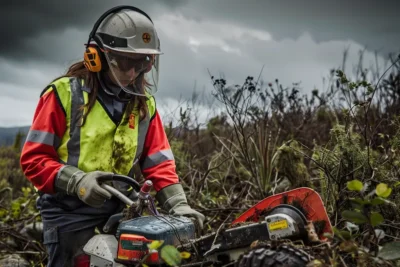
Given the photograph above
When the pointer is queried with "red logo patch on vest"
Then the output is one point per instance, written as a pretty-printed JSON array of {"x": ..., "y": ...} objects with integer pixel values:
[{"x": 132, "y": 121}]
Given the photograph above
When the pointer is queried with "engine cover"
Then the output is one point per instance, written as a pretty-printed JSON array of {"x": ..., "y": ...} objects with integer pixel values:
[
  {"x": 305, "y": 199},
  {"x": 171, "y": 229}
]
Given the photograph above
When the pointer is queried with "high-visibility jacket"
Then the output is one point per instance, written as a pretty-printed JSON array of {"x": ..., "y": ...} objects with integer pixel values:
[{"x": 56, "y": 138}]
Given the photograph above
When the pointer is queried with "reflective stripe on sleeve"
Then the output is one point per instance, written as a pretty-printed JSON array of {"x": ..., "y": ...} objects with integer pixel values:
[
  {"x": 42, "y": 137},
  {"x": 157, "y": 158}
]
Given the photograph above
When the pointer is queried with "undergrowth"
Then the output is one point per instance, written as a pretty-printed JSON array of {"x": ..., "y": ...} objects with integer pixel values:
[{"x": 344, "y": 143}]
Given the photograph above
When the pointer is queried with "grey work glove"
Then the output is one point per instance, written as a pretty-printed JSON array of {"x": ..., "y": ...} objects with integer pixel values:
[
  {"x": 74, "y": 182},
  {"x": 173, "y": 200}
]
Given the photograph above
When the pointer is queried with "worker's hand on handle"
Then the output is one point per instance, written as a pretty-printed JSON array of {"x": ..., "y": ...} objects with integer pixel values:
[
  {"x": 75, "y": 182},
  {"x": 173, "y": 200}
]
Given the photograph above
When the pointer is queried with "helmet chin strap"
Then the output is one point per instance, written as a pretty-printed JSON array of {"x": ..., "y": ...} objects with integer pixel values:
[{"x": 111, "y": 89}]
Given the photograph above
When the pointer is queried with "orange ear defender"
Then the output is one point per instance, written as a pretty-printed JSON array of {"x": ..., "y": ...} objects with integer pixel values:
[{"x": 92, "y": 59}]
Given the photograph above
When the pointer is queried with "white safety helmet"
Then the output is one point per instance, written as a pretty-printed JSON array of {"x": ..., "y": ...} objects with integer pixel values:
[{"x": 130, "y": 45}]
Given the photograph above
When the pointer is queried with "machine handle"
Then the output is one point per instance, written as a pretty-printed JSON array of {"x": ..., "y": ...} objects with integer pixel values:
[
  {"x": 118, "y": 194},
  {"x": 122, "y": 178}
]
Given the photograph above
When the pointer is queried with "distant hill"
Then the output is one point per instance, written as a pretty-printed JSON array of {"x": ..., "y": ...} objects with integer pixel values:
[{"x": 7, "y": 135}]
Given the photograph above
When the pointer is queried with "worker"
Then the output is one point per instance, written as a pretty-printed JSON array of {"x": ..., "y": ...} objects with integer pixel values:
[{"x": 100, "y": 119}]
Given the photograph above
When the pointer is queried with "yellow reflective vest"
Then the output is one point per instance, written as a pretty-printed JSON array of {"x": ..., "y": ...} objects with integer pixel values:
[{"x": 99, "y": 144}]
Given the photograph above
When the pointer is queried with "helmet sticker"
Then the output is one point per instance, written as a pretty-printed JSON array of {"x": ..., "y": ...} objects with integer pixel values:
[{"x": 146, "y": 37}]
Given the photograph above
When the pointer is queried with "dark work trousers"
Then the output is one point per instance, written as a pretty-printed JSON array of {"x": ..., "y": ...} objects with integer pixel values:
[{"x": 68, "y": 224}]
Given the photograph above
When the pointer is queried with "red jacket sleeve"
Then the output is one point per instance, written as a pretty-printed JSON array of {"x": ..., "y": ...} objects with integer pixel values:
[
  {"x": 157, "y": 161},
  {"x": 39, "y": 160}
]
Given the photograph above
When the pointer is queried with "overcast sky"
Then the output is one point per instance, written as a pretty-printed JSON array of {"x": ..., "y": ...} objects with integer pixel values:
[{"x": 297, "y": 41}]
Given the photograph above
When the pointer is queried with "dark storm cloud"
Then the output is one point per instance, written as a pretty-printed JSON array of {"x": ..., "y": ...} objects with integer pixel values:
[
  {"x": 374, "y": 24},
  {"x": 26, "y": 24}
]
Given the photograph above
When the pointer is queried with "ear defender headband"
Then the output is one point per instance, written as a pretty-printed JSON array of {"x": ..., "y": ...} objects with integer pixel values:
[{"x": 93, "y": 58}]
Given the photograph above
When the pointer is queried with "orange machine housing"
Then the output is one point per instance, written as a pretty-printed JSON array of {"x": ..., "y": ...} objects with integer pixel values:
[{"x": 309, "y": 200}]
